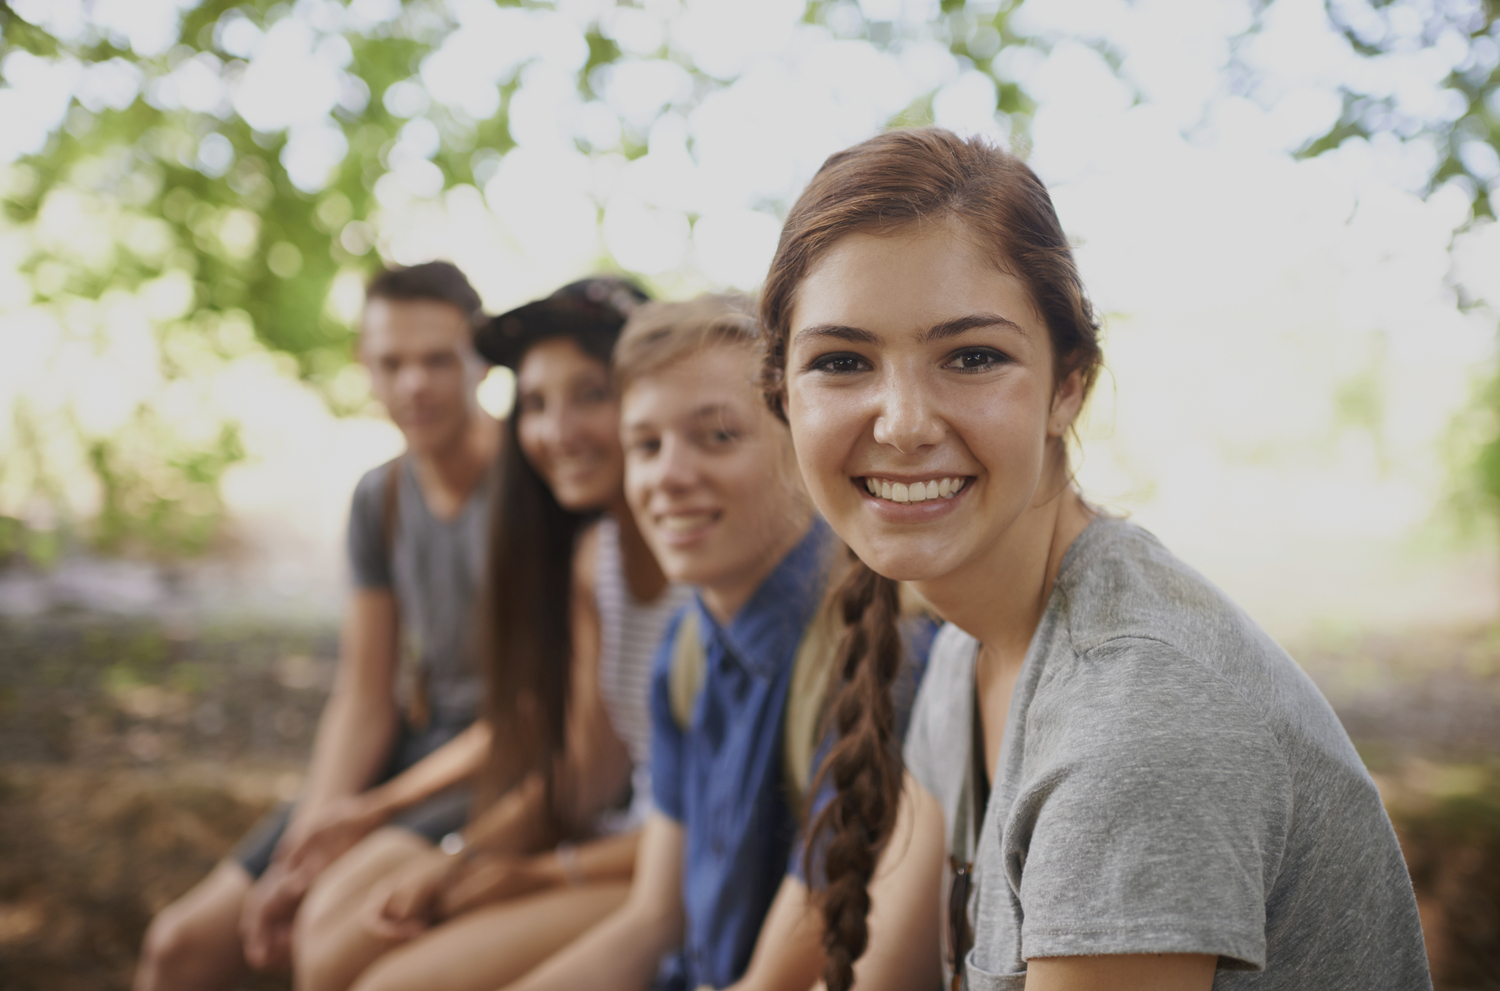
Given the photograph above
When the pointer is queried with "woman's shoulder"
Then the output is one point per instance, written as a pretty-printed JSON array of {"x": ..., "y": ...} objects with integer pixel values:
[
  {"x": 587, "y": 556},
  {"x": 1148, "y": 636},
  {"x": 1119, "y": 582},
  {"x": 939, "y": 729}
]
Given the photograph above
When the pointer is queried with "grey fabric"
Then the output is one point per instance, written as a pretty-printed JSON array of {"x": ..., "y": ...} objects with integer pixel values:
[
  {"x": 1169, "y": 782},
  {"x": 435, "y": 571}
]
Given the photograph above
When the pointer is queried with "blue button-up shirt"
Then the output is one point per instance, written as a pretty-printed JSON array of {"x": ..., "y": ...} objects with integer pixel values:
[{"x": 721, "y": 777}]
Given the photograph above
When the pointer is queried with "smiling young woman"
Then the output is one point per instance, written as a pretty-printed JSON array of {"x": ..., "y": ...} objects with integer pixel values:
[{"x": 1135, "y": 787}]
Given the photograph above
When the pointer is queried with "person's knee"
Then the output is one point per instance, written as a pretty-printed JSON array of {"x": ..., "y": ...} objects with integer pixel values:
[
  {"x": 311, "y": 970},
  {"x": 195, "y": 941},
  {"x": 179, "y": 945},
  {"x": 382, "y": 976},
  {"x": 319, "y": 954}
]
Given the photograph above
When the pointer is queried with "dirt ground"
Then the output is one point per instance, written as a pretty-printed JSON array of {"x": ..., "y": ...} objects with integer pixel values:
[{"x": 133, "y": 754}]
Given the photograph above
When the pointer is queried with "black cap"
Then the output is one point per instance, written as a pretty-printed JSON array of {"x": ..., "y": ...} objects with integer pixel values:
[{"x": 591, "y": 312}]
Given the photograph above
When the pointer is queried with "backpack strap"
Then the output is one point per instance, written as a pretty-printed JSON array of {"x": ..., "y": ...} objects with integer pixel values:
[
  {"x": 689, "y": 662},
  {"x": 418, "y": 708},
  {"x": 806, "y": 703}
]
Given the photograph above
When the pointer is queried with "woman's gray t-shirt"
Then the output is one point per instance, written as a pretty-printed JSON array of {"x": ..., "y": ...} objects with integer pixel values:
[
  {"x": 1169, "y": 782},
  {"x": 435, "y": 570}
]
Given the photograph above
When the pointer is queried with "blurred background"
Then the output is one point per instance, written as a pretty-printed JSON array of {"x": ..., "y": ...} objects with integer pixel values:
[{"x": 1285, "y": 211}]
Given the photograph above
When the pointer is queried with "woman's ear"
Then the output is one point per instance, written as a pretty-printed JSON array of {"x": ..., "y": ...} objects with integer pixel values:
[{"x": 1067, "y": 399}]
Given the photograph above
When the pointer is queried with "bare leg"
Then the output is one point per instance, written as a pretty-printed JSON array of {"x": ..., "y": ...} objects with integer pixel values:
[
  {"x": 492, "y": 946},
  {"x": 194, "y": 943},
  {"x": 332, "y": 946}
]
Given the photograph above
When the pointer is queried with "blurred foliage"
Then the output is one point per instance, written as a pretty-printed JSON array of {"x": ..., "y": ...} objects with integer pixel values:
[
  {"x": 1459, "y": 43},
  {"x": 163, "y": 175}
]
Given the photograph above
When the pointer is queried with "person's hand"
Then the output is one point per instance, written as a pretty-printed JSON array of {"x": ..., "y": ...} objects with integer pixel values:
[
  {"x": 266, "y": 918},
  {"x": 492, "y": 878},
  {"x": 325, "y": 834},
  {"x": 406, "y": 903}
]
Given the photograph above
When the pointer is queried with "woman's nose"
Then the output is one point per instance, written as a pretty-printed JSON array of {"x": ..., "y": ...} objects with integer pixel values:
[{"x": 907, "y": 416}]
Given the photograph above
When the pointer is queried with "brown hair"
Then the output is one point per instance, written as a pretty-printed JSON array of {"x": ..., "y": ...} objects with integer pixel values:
[
  {"x": 885, "y": 186},
  {"x": 662, "y": 334},
  {"x": 527, "y": 597},
  {"x": 441, "y": 282}
]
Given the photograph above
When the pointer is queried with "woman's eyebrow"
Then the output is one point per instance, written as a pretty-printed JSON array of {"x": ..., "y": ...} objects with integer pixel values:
[
  {"x": 853, "y": 335},
  {"x": 956, "y": 326}
]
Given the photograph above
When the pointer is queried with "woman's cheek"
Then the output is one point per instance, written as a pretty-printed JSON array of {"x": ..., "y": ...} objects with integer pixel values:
[{"x": 823, "y": 441}]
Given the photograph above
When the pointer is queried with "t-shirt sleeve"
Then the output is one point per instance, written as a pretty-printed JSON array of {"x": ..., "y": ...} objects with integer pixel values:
[
  {"x": 667, "y": 738},
  {"x": 929, "y": 704},
  {"x": 369, "y": 558},
  {"x": 1152, "y": 812}
]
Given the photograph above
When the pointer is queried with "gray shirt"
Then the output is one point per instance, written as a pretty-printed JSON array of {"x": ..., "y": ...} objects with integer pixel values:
[
  {"x": 435, "y": 571},
  {"x": 1169, "y": 782}
]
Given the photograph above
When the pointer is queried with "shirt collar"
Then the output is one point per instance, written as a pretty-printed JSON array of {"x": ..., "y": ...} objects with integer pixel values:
[{"x": 764, "y": 634}]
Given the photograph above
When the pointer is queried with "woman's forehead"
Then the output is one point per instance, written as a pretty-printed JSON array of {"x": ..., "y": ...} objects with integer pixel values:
[{"x": 907, "y": 281}]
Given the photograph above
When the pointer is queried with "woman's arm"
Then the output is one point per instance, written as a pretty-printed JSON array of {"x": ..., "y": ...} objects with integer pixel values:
[
  {"x": 491, "y": 878},
  {"x": 906, "y": 913},
  {"x": 1126, "y": 972},
  {"x": 624, "y": 951},
  {"x": 789, "y": 951}
]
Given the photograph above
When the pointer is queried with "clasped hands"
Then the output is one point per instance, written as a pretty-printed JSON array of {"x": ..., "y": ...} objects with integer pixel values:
[
  {"x": 436, "y": 886},
  {"x": 311, "y": 843}
]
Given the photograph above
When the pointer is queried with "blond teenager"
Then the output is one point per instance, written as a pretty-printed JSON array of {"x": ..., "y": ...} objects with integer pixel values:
[
  {"x": 414, "y": 529},
  {"x": 1134, "y": 787},
  {"x": 572, "y": 610}
]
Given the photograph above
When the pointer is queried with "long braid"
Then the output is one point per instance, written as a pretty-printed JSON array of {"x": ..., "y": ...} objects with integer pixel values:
[{"x": 863, "y": 764}]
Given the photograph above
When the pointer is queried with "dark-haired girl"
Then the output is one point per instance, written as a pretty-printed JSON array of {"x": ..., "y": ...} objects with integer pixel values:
[
  {"x": 568, "y": 576},
  {"x": 1135, "y": 787}
]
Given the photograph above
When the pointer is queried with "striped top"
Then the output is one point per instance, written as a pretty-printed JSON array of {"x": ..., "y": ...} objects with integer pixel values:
[{"x": 630, "y": 631}]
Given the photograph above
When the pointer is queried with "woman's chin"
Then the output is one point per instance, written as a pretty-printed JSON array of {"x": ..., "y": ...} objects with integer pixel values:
[{"x": 902, "y": 564}]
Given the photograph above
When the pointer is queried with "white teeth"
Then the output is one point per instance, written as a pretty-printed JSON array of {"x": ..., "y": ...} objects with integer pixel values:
[
  {"x": 682, "y": 524},
  {"x": 904, "y": 492}
]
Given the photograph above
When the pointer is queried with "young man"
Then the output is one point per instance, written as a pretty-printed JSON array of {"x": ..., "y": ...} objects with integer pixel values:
[{"x": 416, "y": 543}]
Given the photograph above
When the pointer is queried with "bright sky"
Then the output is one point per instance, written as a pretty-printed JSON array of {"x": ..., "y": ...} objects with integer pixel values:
[{"x": 1258, "y": 308}]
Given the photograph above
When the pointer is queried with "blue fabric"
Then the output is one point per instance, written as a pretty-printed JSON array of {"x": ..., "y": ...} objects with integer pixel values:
[{"x": 721, "y": 778}]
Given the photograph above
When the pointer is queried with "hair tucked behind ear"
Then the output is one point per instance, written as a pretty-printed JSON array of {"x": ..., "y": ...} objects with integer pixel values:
[{"x": 863, "y": 764}]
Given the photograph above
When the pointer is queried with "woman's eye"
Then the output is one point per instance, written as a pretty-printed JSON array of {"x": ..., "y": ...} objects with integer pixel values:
[
  {"x": 976, "y": 359},
  {"x": 645, "y": 446},
  {"x": 840, "y": 364}
]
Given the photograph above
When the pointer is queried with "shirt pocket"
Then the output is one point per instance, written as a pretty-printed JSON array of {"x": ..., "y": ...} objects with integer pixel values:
[{"x": 978, "y": 979}]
